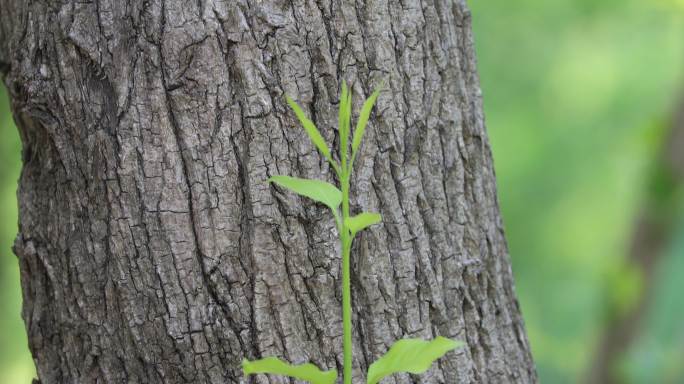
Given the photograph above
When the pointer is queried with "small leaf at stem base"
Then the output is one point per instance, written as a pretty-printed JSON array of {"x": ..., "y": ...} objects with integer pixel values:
[
  {"x": 273, "y": 365},
  {"x": 361, "y": 221}
]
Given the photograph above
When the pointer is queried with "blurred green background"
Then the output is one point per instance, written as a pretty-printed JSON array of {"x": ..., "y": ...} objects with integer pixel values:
[
  {"x": 16, "y": 365},
  {"x": 581, "y": 99}
]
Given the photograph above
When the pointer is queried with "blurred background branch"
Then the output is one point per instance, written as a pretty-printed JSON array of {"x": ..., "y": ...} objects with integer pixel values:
[{"x": 630, "y": 293}]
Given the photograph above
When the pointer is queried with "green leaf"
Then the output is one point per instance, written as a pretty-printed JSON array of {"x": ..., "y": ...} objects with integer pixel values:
[
  {"x": 362, "y": 221},
  {"x": 363, "y": 120},
  {"x": 344, "y": 116},
  {"x": 307, "y": 372},
  {"x": 317, "y": 190},
  {"x": 310, "y": 129},
  {"x": 410, "y": 355}
]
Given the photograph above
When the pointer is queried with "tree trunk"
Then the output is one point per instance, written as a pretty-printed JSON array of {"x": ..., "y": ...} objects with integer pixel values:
[{"x": 152, "y": 250}]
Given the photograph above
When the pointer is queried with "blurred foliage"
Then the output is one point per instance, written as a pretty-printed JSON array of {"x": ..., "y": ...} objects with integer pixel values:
[
  {"x": 16, "y": 365},
  {"x": 578, "y": 97}
]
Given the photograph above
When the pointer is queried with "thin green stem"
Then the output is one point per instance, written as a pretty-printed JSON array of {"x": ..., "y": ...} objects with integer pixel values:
[
  {"x": 346, "y": 239},
  {"x": 346, "y": 313},
  {"x": 350, "y": 167},
  {"x": 337, "y": 168}
]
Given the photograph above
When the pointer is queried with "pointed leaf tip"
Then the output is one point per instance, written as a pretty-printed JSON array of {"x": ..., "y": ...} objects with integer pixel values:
[
  {"x": 272, "y": 365},
  {"x": 310, "y": 128},
  {"x": 343, "y": 124},
  {"x": 410, "y": 355},
  {"x": 363, "y": 120},
  {"x": 316, "y": 190}
]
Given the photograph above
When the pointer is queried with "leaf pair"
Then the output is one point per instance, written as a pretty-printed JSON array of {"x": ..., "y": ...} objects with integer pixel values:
[
  {"x": 408, "y": 355},
  {"x": 344, "y": 127},
  {"x": 329, "y": 195}
]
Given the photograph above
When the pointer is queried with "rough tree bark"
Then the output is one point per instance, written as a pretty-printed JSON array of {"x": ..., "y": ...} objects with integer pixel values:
[{"x": 152, "y": 249}]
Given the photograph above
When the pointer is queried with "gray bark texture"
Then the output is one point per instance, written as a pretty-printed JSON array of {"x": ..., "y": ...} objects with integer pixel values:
[{"x": 152, "y": 250}]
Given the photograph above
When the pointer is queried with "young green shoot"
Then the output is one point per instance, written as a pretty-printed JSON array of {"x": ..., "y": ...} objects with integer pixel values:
[{"x": 408, "y": 355}]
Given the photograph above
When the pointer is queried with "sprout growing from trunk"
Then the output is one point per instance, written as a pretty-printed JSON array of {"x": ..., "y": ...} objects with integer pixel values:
[{"x": 407, "y": 355}]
